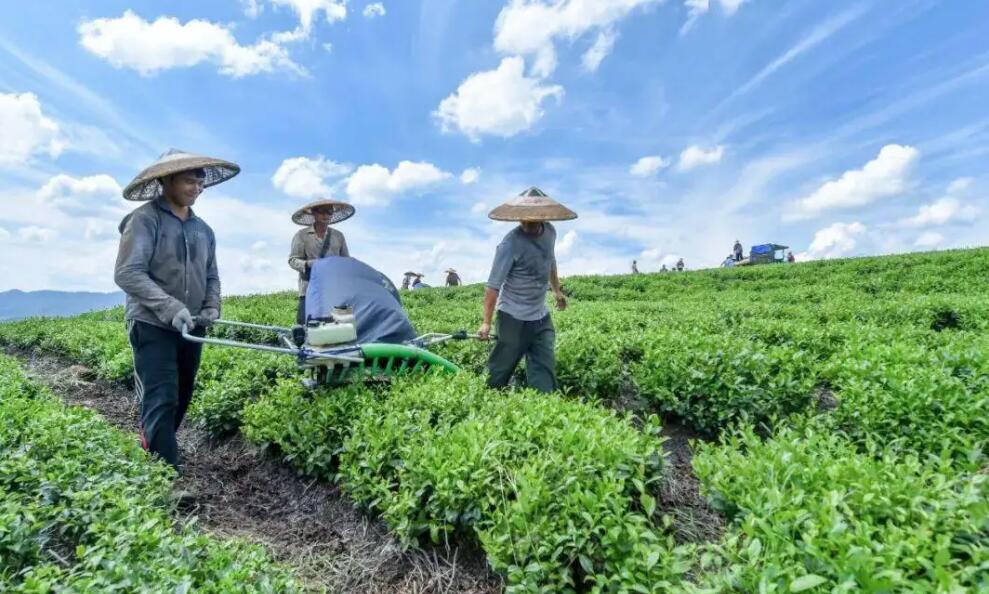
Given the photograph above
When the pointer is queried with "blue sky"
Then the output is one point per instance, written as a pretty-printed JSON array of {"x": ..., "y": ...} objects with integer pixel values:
[{"x": 672, "y": 128}]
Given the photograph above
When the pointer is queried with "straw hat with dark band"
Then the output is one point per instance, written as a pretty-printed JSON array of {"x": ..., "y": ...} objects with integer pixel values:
[
  {"x": 532, "y": 205},
  {"x": 341, "y": 212},
  {"x": 147, "y": 184}
]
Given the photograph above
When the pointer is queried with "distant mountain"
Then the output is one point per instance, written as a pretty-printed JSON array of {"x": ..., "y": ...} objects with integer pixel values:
[{"x": 20, "y": 304}]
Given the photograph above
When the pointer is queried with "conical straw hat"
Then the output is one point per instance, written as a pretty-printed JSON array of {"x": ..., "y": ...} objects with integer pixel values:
[
  {"x": 146, "y": 186},
  {"x": 341, "y": 212},
  {"x": 532, "y": 205}
]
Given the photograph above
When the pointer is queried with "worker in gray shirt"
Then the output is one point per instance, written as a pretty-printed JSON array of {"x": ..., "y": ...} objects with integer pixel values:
[
  {"x": 524, "y": 269},
  {"x": 166, "y": 264},
  {"x": 316, "y": 240}
]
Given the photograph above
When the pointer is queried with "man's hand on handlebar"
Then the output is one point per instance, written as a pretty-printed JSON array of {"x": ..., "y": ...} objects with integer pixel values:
[
  {"x": 207, "y": 316},
  {"x": 183, "y": 321}
]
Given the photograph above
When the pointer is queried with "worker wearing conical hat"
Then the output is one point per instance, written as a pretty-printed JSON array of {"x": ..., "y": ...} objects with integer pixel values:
[
  {"x": 166, "y": 264},
  {"x": 452, "y": 278},
  {"x": 524, "y": 269},
  {"x": 316, "y": 240}
]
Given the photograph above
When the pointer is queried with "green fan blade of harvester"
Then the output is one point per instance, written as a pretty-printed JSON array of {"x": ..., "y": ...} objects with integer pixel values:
[{"x": 376, "y": 351}]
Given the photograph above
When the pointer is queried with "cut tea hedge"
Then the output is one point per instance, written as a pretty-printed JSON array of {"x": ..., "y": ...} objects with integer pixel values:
[
  {"x": 845, "y": 402},
  {"x": 83, "y": 509}
]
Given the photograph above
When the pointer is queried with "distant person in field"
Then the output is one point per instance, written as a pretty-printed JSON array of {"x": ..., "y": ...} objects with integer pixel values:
[
  {"x": 524, "y": 269},
  {"x": 680, "y": 265},
  {"x": 418, "y": 284},
  {"x": 664, "y": 268},
  {"x": 166, "y": 264},
  {"x": 452, "y": 278},
  {"x": 737, "y": 250},
  {"x": 729, "y": 262},
  {"x": 316, "y": 240},
  {"x": 790, "y": 258},
  {"x": 635, "y": 267}
]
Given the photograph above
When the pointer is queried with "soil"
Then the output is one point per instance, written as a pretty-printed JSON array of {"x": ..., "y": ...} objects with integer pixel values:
[
  {"x": 310, "y": 526},
  {"x": 235, "y": 491},
  {"x": 694, "y": 521},
  {"x": 680, "y": 496},
  {"x": 826, "y": 400}
]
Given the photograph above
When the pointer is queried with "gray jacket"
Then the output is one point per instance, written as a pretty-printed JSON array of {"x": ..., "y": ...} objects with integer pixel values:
[{"x": 165, "y": 264}]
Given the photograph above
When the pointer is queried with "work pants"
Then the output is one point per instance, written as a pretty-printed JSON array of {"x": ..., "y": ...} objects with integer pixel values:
[
  {"x": 535, "y": 340},
  {"x": 165, "y": 366}
]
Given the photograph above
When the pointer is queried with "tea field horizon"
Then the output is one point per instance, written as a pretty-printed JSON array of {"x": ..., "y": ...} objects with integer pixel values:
[{"x": 838, "y": 410}]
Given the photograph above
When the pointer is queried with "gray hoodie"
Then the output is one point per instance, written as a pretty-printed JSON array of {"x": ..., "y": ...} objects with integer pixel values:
[{"x": 165, "y": 264}]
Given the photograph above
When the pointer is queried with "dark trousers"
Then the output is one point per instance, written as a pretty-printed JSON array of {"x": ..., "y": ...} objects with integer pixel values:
[
  {"x": 535, "y": 341},
  {"x": 165, "y": 367},
  {"x": 300, "y": 314}
]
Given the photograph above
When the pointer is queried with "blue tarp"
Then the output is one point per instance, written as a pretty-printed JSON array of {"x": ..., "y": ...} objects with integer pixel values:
[
  {"x": 766, "y": 248},
  {"x": 337, "y": 281}
]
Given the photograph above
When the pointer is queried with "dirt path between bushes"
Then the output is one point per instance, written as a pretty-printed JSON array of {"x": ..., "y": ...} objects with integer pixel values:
[
  {"x": 306, "y": 524},
  {"x": 314, "y": 529}
]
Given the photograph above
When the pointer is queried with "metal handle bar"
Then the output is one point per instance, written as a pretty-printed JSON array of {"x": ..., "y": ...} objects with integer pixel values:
[
  {"x": 297, "y": 352},
  {"x": 276, "y": 329},
  {"x": 438, "y": 338}
]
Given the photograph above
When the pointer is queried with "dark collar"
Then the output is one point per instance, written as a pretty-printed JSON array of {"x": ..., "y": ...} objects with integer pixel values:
[{"x": 163, "y": 205}]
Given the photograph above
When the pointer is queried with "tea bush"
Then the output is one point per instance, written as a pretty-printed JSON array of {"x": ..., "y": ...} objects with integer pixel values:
[{"x": 83, "y": 509}]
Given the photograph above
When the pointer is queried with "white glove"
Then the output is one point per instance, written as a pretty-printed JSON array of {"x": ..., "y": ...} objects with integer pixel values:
[
  {"x": 183, "y": 319},
  {"x": 208, "y": 315}
]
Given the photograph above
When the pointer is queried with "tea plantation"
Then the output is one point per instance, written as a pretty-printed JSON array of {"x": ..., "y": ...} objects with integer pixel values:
[{"x": 844, "y": 407}]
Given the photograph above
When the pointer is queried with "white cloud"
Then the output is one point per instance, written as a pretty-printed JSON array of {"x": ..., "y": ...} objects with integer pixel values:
[
  {"x": 308, "y": 11},
  {"x": 501, "y": 102},
  {"x": 834, "y": 241},
  {"x": 252, "y": 8},
  {"x": 470, "y": 175},
  {"x": 4, "y": 234},
  {"x": 599, "y": 51},
  {"x": 941, "y": 211},
  {"x": 303, "y": 177},
  {"x": 817, "y": 36},
  {"x": 97, "y": 230},
  {"x": 698, "y": 8},
  {"x": 255, "y": 265},
  {"x": 695, "y": 156},
  {"x": 886, "y": 175},
  {"x": 36, "y": 233},
  {"x": 960, "y": 185},
  {"x": 375, "y": 185},
  {"x": 83, "y": 194},
  {"x": 648, "y": 166},
  {"x": 26, "y": 130},
  {"x": 478, "y": 208},
  {"x": 247, "y": 222},
  {"x": 655, "y": 258},
  {"x": 149, "y": 47},
  {"x": 375, "y": 9},
  {"x": 532, "y": 27},
  {"x": 566, "y": 244},
  {"x": 929, "y": 239}
]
